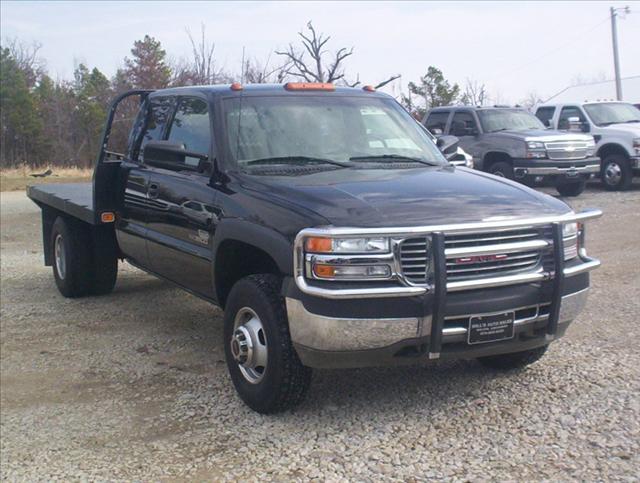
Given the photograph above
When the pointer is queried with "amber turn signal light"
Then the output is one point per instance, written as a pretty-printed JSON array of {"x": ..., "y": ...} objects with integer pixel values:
[
  {"x": 108, "y": 217},
  {"x": 318, "y": 245},
  {"x": 324, "y": 271}
]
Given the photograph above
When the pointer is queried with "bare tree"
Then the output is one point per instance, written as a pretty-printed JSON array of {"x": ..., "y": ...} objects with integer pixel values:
[
  {"x": 389, "y": 80},
  {"x": 475, "y": 93},
  {"x": 532, "y": 100},
  {"x": 256, "y": 72},
  {"x": 27, "y": 59},
  {"x": 308, "y": 64},
  {"x": 201, "y": 69}
]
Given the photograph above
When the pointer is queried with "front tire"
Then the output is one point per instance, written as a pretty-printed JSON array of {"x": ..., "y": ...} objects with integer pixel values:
[
  {"x": 515, "y": 360},
  {"x": 616, "y": 172},
  {"x": 502, "y": 169},
  {"x": 263, "y": 365},
  {"x": 573, "y": 188}
]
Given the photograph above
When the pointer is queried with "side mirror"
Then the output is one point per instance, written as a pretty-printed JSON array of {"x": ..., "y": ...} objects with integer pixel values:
[
  {"x": 448, "y": 145},
  {"x": 576, "y": 125},
  {"x": 173, "y": 156}
]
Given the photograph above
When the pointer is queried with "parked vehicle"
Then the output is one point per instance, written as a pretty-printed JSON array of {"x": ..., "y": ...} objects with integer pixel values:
[
  {"x": 339, "y": 236},
  {"x": 615, "y": 126},
  {"x": 513, "y": 143}
]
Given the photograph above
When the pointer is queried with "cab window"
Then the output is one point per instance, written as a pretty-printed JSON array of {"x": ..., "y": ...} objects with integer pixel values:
[
  {"x": 157, "y": 115},
  {"x": 545, "y": 114},
  {"x": 463, "y": 124},
  {"x": 437, "y": 121},
  {"x": 568, "y": 112},
  {"x": 191, "y": 127}
]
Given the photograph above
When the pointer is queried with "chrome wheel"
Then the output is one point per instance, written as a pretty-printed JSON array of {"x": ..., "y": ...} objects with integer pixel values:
[
  {"x": 499, "y": 173},
  {"x": 58, "y": 250},
  {"x": 249, "y": 345},
  {"x": 612, "y": 174}
]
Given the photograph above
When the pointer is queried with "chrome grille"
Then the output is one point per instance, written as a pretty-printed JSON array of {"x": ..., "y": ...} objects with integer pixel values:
[
  {"x": 415, "y": 255},
  {"x": 414, "y": 259},
  {"x": 566, "y": 150},
  {"x": 471, "y": 267}
]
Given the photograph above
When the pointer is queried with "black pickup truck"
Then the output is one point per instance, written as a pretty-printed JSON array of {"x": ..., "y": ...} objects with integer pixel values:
[{"x": 328, "y": 226}]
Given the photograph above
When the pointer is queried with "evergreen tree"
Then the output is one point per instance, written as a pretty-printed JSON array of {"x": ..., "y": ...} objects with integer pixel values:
[
  {"x": 20, "y": 125},
  {"x": 434, "y": 89},
  {"x": 148, "y": 68}
]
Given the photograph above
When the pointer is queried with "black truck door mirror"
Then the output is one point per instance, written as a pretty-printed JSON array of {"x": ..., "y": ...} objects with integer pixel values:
[{"x": 174, "y": 156}]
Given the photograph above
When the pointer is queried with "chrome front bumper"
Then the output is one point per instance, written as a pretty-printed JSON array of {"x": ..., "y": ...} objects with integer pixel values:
[
  {"x": 331, "y": 334},
  {"x": 554, "y": 170}
]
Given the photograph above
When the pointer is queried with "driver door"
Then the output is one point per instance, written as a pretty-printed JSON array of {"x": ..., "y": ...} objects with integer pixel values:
[{"x": 465, "y": 127}]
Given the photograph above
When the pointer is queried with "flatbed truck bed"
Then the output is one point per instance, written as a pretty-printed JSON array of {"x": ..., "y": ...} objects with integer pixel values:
[{"x": 75, "y": 199}]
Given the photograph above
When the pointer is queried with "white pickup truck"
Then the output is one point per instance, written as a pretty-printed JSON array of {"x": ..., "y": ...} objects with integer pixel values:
[{"x": 615, "y": 126}]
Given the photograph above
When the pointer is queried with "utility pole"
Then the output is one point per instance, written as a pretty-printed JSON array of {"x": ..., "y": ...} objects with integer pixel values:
[{"x": 614, "y": 40}]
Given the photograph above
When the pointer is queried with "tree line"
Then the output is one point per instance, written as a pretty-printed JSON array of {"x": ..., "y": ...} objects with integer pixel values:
[{"x": 59, "y": 122}]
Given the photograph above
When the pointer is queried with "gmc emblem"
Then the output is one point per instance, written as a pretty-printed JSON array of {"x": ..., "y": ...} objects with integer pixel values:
[{"x": 481, "y": 258}]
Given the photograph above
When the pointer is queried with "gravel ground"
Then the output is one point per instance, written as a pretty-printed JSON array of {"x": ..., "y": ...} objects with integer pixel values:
[{"x": 134, "y": 386}]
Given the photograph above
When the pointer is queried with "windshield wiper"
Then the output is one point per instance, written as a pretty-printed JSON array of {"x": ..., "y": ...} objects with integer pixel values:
[
  {"x": 299, "y": 160},
  {"x": 393, "y": 157},
  {"x": 632, "y": 120},
  {"x": 501, "y": 129}
]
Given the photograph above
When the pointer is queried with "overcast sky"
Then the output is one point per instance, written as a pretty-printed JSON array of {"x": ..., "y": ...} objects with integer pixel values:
[{"x": 514, "y": 48}]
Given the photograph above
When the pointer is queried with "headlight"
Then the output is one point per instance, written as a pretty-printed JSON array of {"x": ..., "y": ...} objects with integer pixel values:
[
  {"x": 636, "y": 145},
  {"x": 347, "y": 245},
  {"x": 348, "y": 258},
  {"x": 536, "y": 149},
  {"x": 570, "y": 240},
  {"x": 591, "y": 147}
]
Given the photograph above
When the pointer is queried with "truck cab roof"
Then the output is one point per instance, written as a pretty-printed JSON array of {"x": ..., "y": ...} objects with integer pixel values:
[{"x": 288, "y": 89}]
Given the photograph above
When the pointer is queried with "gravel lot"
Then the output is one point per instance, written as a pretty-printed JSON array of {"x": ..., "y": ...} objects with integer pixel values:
[{"x": 134, "y": 386}]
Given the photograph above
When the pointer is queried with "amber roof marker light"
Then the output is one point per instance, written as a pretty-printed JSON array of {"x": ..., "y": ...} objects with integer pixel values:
[
  {"x": 309, "y": 86},
  {"x": 236, "y": 86},
  {"x": 369, "y": 88}
]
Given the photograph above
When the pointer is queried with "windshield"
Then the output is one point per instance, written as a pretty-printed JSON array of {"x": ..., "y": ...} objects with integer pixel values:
[
  {"x": 343, "y": 131},
  {"x": 604, "y": 114},
  {"x": 494, "y": 120}
]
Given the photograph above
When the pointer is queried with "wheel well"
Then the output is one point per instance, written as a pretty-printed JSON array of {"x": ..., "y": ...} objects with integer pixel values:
[
  {"x": 608, "y": 149},
  {"x": 236, "y": 260},
  {"x": 495, "y": 157}
]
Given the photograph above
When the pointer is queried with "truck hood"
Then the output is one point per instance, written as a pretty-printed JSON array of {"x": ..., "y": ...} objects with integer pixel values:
[
  {"x": 623, "y": 130},
  {"x": 409, "y": 197},
  {"x": 543, "y": 135}
]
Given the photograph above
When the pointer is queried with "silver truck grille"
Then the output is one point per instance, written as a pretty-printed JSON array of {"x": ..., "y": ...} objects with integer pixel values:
[
  {"x": 566, "y": 150},
  {"x": 415, "y": 255},
  {"x": 414, "y": 258}
]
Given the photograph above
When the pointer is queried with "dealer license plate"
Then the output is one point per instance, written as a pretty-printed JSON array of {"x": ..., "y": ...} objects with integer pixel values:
[{"x": 490, "y": 328}]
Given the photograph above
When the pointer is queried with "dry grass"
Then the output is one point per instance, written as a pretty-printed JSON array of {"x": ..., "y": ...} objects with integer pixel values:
[{"x": 14, "y": 179}]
